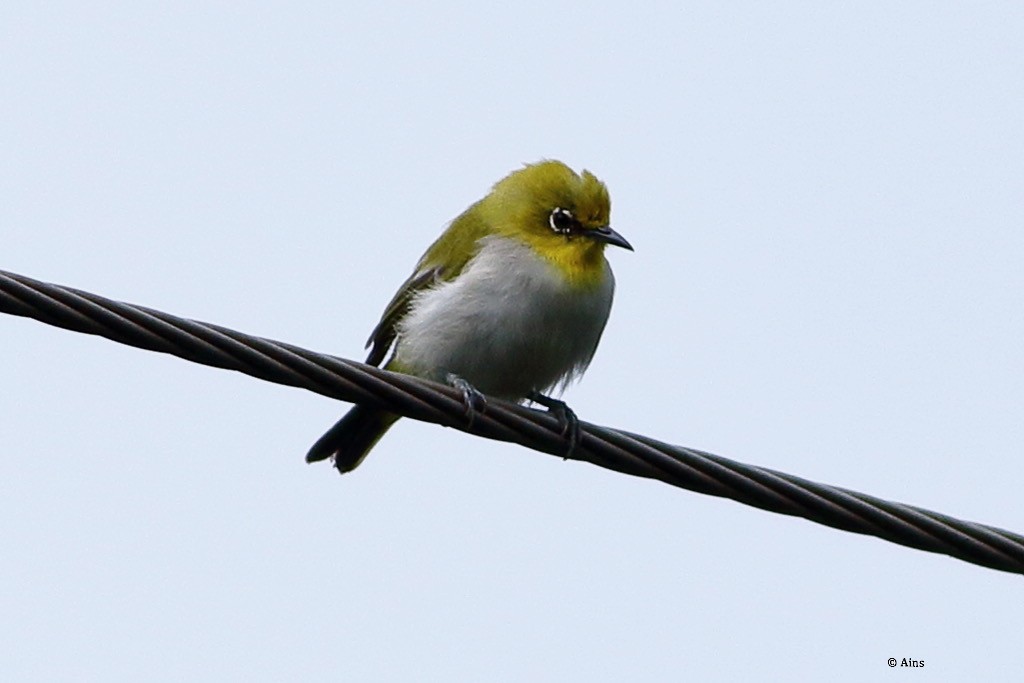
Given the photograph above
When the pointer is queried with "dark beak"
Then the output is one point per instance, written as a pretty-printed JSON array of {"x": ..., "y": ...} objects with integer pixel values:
[{"x": 608, "y": 236}]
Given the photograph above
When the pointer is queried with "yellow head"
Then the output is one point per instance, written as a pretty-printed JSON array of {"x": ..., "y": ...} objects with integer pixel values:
[{"x": 562, "y": 215}]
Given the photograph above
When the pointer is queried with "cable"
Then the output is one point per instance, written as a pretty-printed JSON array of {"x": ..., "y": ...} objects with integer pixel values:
[{"x": 431, "y": 402}]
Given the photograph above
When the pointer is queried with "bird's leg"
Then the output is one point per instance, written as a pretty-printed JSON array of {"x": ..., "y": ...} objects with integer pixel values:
[
  {"x": 473, "y": 401},
  {"x": 567, "y": 419}
]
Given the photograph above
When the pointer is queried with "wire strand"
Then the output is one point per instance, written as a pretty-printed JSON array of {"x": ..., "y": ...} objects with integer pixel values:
[{"x": 612, "y": 449}]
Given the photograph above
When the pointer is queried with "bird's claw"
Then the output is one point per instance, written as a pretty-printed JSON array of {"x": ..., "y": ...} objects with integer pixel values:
[
  {"x": 567, "y": 420},
  {"x": 473, "y": 401}
]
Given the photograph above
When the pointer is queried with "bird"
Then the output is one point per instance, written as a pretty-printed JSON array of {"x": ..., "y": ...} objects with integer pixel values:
[{"x": 510, "y": 301}]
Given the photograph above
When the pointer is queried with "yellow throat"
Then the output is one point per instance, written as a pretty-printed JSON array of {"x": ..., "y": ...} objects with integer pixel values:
[{"x": 519, "y": 206}]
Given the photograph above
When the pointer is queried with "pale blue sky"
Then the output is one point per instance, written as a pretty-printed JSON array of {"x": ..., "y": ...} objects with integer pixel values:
[{"x": 826, "y": 203}]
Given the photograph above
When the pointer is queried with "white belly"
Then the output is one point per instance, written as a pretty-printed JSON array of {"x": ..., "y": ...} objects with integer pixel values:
[{"x": 509, "y": 324}]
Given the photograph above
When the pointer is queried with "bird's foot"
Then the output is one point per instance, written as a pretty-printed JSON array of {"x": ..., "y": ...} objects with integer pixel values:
[
  {"x": 570, "y": 424},
  {"x": 473, "y": 401}
]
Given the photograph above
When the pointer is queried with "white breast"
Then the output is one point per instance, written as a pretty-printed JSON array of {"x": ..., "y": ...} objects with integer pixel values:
[{"x": 509, "y": 323}]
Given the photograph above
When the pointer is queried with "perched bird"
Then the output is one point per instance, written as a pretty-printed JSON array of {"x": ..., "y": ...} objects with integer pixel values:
[{"x": 510, "y": 301}]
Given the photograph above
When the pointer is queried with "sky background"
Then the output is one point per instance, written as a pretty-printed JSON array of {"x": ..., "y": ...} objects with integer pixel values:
[{"x": 826, "y": 202}]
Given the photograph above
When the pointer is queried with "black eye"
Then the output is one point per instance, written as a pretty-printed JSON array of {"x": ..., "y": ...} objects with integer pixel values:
[{"x": 561, "y": 221}]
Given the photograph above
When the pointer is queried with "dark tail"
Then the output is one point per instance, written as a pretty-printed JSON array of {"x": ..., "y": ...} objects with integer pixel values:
[{"x": 352, "y": 437}]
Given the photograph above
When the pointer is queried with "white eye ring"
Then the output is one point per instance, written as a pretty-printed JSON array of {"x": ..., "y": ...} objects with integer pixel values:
[{"x": 561, "y": 220}]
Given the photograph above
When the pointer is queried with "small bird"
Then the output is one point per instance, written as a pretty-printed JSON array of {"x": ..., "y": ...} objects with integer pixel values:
[{"x": 510, "y": 301}]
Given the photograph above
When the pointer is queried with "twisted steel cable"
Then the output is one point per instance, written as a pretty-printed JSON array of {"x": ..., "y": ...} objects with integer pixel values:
[{"x": 431, "y": 402}]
